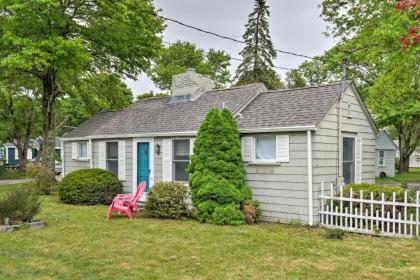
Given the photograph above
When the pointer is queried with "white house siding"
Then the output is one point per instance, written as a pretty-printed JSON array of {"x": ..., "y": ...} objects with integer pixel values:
[
  {"x": 70, "y": 164},
  {"x": 415, "y": 159},
  {"x": 325, "y": 145},
  {"x": 389, "y": 167},
  {"x": 282, "y": 189},
  {"x": 128, "y": 182}
]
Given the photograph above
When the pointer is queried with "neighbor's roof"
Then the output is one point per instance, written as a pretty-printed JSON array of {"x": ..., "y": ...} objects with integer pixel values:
[
  {"x": 157, "y": 115},
  {"x": 384, "y": 141},
  {"x": 258, "y": 109},
  {"x": 287, "y": 108}
]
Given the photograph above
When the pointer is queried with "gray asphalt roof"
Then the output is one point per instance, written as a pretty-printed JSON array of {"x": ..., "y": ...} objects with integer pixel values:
[
  {"x": 157, "y": 115},
  {"x": 292, "y": 107},
  {"x": 282, "y": 108}
]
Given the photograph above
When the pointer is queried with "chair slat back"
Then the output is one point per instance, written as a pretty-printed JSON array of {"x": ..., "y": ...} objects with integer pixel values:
[{"x": 140, "y": 190}]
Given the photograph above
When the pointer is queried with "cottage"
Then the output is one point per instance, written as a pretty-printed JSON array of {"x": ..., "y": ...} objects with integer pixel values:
[
  {"x": 292, "y": 140},
  {"x": 10, "y": 153},
  {"x": 385, "y": 155}
]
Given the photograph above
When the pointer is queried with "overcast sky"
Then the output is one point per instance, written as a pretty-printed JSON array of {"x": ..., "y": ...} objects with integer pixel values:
[{"x": 294, "y": 26}]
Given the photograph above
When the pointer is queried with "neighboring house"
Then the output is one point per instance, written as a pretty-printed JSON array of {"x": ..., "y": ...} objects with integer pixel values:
[
  {"x": 12, "y": 159},
  {"x": 385, "y": 155},
  {"x": 11, "y": 153},
  {"x": 292, "y": 140},
  {"x": 415, "y": 158}
]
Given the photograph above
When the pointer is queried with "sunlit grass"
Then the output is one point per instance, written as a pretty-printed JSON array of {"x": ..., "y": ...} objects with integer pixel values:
[
  {"x": 79, "y": 244},
  {"x": 412, "y": 176}
]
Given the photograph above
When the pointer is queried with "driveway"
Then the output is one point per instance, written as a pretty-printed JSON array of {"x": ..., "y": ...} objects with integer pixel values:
[{"x": 14, "y": 181}]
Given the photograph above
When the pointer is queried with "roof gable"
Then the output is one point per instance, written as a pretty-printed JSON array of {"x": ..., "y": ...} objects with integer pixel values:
[
  {"x": 289, "y": 108},
  {"x": 384, "y": 142}
]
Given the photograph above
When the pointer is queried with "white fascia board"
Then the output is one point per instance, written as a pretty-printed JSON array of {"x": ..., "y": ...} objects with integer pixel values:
[{"x": 190, "y": 133}]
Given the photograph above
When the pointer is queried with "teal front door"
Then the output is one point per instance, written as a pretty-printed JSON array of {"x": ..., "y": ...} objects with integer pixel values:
[{"x": 143, "y": 168}]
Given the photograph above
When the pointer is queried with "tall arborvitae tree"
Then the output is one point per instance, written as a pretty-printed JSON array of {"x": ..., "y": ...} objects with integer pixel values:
[
  {"x": 216, "y": 172},
  {"x": 259, "y": 52}
]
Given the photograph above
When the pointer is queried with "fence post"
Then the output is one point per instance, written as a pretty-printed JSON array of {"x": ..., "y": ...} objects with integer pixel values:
[
  {"x": 341, "y": 205},
  {"x": 417, "y": 212},
  {"x": 383, "y": 212},
  {"x": 351, "y": 207},
  {"x": 361, "y": 208},
  {"x": 405, "y": 212},
  {"x": 322, "y": 202},
  {"x": 394, "y": 217},
  {"x": 371, "y": 210}
]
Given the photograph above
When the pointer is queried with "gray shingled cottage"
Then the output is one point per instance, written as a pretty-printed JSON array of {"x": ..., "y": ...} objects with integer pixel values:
[{"x": 292, "y": 140}]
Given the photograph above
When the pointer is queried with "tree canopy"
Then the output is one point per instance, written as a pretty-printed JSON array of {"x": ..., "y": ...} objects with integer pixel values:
[
  {"x": 58, "y": 42},
  {"x": 180, "y": 56},
  {"x": 387, "y": 70},
  {"x": 258, "y": 54}
]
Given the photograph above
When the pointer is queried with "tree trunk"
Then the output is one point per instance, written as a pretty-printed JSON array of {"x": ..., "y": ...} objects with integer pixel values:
[
  {"x": 404, "y": 163},
  {"x": 408, "y": 137},
  {"x": 50, "y": 88}
]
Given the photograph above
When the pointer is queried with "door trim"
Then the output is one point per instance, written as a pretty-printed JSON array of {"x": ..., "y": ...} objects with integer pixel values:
[
  {"x": 151, "y": 142},
  {"x": 354, "y": 137}
]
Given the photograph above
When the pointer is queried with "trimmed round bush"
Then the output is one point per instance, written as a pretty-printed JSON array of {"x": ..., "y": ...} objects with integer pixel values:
[
  {"x": 167, "y": 200},
  {"x": 228, "y": 215},
  {"x": 89, "y": 186}
]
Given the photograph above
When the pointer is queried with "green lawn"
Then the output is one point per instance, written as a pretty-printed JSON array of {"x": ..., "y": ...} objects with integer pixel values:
[
  {"x": 79, "y": 244},
  {"x": 412, "y": 176}
]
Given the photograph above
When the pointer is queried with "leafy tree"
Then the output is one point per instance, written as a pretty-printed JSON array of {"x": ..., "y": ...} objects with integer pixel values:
[
  {"x": 179, "y": 57},
  {"x": 370, "y": 34},
  {"x": 294, "y": 79},
  {"x": 59, "y": 41},
  {"x": 91, "y": 94},
  {"x": 19, "y": 118},
  {"x": 217, "y": 175},
  {"x": 151, "y": 95},
  {"x": 259, "y": 52}
]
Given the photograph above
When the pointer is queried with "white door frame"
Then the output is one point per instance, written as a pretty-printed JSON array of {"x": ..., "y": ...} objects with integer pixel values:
[
  {"x": 151, "y": 142},
  {"x": 348, "y": 135}
]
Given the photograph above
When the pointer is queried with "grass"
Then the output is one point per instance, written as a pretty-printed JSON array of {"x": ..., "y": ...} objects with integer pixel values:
[
  {"x": 412, "y": 176},
  {"x": 79, "y": 244}
]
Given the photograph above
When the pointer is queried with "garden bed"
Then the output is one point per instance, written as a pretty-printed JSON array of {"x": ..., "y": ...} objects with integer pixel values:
[{"x": 29, "y": 225}]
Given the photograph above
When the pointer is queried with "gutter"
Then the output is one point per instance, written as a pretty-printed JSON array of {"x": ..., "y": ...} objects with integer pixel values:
[{"x": 190, "y": 133}]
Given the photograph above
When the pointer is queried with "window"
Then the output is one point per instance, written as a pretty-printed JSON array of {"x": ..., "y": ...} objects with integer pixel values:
[
  {"x": 83, "y": 150},
  {"x": 112, "y": 157},
  {"x": 381, "y": 158},
  {"x": 349, "y": 160},
  {"x": 265, "y": 148},
  {"x": 181, "y": 159}
]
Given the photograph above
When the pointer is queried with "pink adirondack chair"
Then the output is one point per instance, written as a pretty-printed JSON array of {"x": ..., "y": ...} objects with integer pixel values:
[{"x": 126, "y": 203}]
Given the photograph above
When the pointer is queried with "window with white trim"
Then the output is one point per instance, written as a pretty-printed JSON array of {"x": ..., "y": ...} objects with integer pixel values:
[
  {"x": 265, "y": 148},
  {"x": 181, "y": 159},
  {"x": 381, "y": 158},
  {"x": 112, "y": 157},
  {"x": 83, "y": 150}
]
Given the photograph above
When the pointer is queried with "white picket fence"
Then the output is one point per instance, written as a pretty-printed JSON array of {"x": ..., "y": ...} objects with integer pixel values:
[{"x": 380, "y": 217}]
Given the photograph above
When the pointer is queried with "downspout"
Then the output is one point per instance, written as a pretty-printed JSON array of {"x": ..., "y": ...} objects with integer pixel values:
[
  {"x": 91, "y": 154},
  {"x": 339, "y": 134},
  {"x": 310, "y": 187},
  {"x": 62, "y": 158}
]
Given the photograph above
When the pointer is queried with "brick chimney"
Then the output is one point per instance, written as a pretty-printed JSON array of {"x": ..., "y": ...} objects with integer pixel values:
[{"x": 189, "y": 86}]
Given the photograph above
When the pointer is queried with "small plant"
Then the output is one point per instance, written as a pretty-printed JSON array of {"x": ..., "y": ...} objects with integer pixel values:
[
  {"x": 89, "y": 186},
  {"x": 42, "y": 178},
  {"x": 334, "y": 233},
  {"x": 9, "y": 173},
  {"x": 251, "y": 210},
  {"x": 167, "y": 200},
  {"x": 228, "y": 215},
  {"x": 19, "y": 206}
]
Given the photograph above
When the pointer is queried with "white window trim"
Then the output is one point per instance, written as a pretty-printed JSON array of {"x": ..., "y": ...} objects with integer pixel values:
[
  {"x": 172, "y": 159},
  {"x": 256, "y": 161},
  {"x": 151, "y": 142},
  {"x": 106, "y": 155},
  {"x": 379, "y": 158},
  {"x": 79, "y": 158}
]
